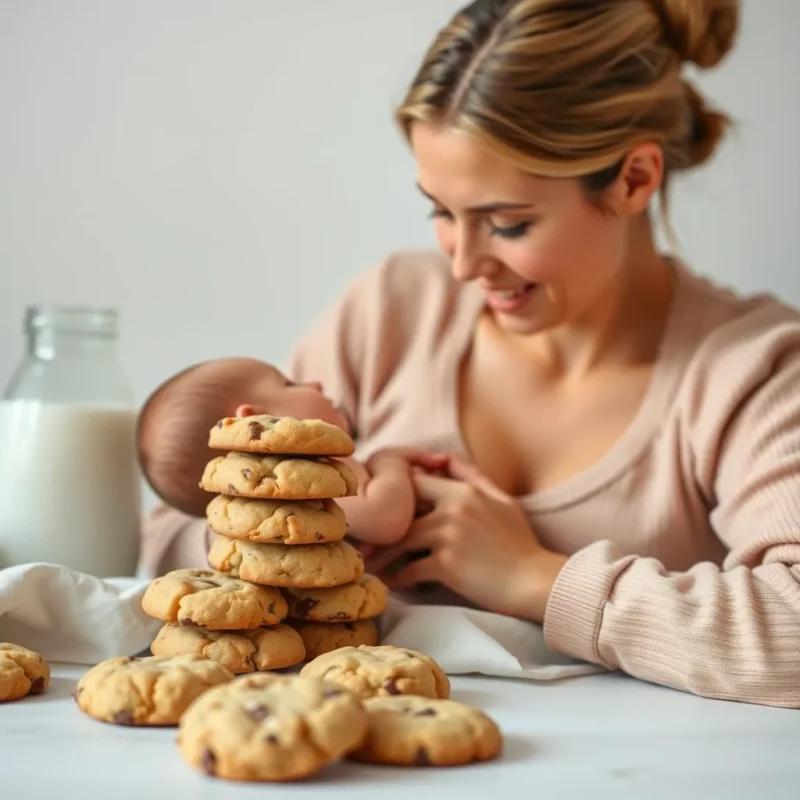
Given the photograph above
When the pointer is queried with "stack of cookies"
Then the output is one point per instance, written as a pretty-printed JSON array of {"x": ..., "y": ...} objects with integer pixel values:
[{"x": 280, "y": 530}]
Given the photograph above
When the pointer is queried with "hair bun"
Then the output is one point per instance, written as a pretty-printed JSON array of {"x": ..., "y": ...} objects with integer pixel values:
[{"x": 702, "y": 31}]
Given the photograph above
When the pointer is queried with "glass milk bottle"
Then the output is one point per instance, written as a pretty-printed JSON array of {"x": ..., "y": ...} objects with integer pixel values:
[{"x": 69, "y": 480}]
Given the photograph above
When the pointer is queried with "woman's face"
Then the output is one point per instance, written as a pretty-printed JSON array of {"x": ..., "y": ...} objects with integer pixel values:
[{"x": 541, "y": 252}]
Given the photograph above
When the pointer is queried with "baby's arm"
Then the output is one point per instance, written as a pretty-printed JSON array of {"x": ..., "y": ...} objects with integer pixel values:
[
  {"x": 383, "y": 510},
  {"x": 386, "y": 504}
]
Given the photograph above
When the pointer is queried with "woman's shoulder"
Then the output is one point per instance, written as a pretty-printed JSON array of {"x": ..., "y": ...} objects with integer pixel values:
[
  {"x": 411, "y": 294},
  {"x": 403, "y": 275},
  {"x": 729, "y": 325},
  {"x": 742, "y": 353}
]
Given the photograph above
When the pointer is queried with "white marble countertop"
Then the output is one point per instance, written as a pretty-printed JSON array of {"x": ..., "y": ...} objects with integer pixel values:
[{"x": 597, "y": 737}]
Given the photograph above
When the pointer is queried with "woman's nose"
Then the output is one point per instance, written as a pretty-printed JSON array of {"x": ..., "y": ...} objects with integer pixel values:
[{"x": 466, "y": 261}]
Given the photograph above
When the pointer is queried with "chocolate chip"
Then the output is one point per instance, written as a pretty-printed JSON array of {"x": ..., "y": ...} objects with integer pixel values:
[
  {"x": 319, "y": 537},
  {"x": 422, "y": 759},
  {"x": 273, "y": 420},
  {"x": 271, "y": 609},
  {"x": 124, "y": 717},
  {"x": 256, "y": 429},
  {"x": 258, "y": 712},
  {"x": 339, "y": 615},
  {"x": 272, "y": 739},
  {"x": 219, "y": 424},
  {"x": 186, "y": 622},
  {"x": 231, "y": 489},
  {"x": 37, "y": 686},
  {"x": 332, "y": 692},
  {"x": 246, "y": 473},
  {"x": 426, "y": 712},
  {"x": 391, "y": 687},
  {"x": 304, "y": 607},
  {"x": 209, "y": 762}
]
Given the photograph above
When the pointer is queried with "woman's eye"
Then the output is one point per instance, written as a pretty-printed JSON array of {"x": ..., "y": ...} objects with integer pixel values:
[
  {"x": 441, "y": 213},
  {"x": 512, "y": 231}
]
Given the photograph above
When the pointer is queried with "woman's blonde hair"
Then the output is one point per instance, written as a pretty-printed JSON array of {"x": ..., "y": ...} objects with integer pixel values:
[{"x": 565, "y": 88}]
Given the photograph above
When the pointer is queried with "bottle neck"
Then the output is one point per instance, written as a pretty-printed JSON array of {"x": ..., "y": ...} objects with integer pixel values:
[{"x": 47, "y": 343}]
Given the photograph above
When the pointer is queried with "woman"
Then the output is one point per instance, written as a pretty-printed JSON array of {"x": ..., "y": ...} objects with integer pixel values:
[{"x": 626, "y": 434}]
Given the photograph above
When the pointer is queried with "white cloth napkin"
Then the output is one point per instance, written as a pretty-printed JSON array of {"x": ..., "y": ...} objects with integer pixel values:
[
  {"x": 468, "y": 640},
  {"x": 74, "y": 618},
  {"x": 70, "y": 617}
]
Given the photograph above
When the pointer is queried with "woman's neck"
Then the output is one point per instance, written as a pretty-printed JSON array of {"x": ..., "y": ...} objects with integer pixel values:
[{"x": 622, "y": 328}]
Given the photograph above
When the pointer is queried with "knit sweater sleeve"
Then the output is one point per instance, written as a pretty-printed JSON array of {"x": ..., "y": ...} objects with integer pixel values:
[{"x": 731, "y": 632}]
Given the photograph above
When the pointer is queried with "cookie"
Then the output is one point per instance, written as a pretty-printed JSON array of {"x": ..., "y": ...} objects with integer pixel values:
[
  {"x": 419, "y": 731},
  {"x": 282, "y": 435},
  {"x": 271, "y": 728},
  {"x": 303, "y": 565},
  {"x": 22, "y": 672},
  {"x": 324, "y": 637},
  {"x": 365, "y": 598},
  {"x": 242, "y": 651},
  {"x": 277, "y": 477},
  {"x": 146, "y": 691},
  {"x": 381, "y": 671},
  {"x": 212, "y": 600},
  {"x": 277, "y": 521}
]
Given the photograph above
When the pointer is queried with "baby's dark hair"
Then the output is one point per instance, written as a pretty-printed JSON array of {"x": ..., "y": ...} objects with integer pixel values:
[{"x": 173, "y": 425}]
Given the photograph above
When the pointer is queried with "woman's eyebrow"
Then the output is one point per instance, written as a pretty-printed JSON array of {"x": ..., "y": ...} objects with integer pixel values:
[{"x": 484, "y": 208}]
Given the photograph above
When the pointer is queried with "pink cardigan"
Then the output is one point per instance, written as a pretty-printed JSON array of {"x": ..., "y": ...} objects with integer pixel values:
[{"x": 684, "y": 538}]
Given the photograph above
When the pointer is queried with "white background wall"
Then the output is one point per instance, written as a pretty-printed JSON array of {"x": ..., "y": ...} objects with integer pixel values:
[{"x": 220, "y": 170}]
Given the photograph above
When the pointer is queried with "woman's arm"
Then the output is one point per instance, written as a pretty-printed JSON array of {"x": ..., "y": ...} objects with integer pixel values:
[{"x": 733, "y": 632}]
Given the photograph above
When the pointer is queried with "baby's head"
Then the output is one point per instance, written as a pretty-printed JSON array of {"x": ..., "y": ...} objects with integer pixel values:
[{"x": 173, "y": 425}]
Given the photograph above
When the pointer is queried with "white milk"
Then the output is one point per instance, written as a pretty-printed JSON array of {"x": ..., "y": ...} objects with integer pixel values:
[{"x": 69, "y": 487}]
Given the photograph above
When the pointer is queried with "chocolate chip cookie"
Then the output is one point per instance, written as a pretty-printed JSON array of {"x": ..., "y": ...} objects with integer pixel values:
[
  {"x": 282, "y": 435},
  {"x": 146, "y": 691},
  {"x": 419, "y": 731},
  {"x": 324, "y": 637},
  {"x": 279, "y": 477},
  {"x": 381, "y": 671},
  {"x": 242, "y": 651},
  {"x": 277, "y": 521},
  {"x": 271, "y": 728},
  {"x": 303, "y": 565},
  {"x": 22, "y": 672},
  {"x": 212, "y": 600},
  {"x": 365, "y": 598}
]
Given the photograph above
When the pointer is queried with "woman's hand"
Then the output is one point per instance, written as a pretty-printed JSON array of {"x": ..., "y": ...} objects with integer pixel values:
[{"x": 480, "y": 545}]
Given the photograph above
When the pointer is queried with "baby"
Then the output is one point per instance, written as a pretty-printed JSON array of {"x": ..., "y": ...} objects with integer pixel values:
[{"x": 172, "y": 437}]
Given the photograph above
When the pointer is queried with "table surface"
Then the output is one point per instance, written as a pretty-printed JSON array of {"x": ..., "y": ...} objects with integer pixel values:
[{"x": 596, "y": 737}]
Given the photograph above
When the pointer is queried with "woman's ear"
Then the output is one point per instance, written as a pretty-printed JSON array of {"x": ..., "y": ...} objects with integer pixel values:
[{"x": 640, "y": 177}]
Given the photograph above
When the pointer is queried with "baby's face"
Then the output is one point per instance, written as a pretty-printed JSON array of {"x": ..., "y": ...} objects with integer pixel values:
[{"x": 277, "y": 395}]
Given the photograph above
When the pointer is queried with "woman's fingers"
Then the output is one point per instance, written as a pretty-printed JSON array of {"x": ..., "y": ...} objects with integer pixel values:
[
  {"x": 424, "y": 570},
  {"x": 462, "y": 470},
  {"x": 421, "y": 536},
  {"x": 435, "y": 489},
  {"x": 414, "y": 457}
]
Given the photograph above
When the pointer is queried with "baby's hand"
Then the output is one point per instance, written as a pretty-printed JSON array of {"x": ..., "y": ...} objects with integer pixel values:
[{"x": 386, "y": 504}]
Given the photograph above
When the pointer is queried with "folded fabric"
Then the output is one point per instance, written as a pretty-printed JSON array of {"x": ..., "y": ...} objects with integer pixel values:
[
  {"x": 468, "y": 640},
  {"x": 70, "y": 617}
]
